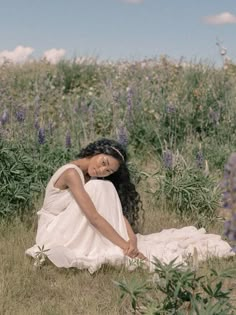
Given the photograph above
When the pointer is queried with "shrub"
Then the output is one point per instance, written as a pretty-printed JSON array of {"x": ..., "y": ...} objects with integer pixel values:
[
  {"x": 24, "y": 172},
  {"x": 187, "y": 190}
]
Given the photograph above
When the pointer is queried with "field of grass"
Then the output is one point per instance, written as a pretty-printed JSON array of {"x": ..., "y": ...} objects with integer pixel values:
[
  {"x": 51, "y": 291},
  {"x": 179, "y": 125}
]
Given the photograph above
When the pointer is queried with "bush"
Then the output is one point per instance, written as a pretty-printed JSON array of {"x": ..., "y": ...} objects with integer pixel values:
[
  {"x": 24, "y": 172},
  {"x": 187, "y": 190}
]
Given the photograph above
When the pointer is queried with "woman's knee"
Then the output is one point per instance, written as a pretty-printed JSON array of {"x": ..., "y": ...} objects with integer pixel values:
[
  {"x": 101, "y": 191},
  {"x": 106, "y": 184}
]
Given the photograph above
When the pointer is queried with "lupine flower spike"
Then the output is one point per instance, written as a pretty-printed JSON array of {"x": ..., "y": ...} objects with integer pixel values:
[
  {"x": 20, "y": 115},
  {"x": 41, "y": 136},
  {"x": 200, "y": 157},
  {"x": 5, "y": 117},
  {"x": 122, "y": 135},
  {"x": 68, "y": 140},
  {"x": 229, "y": 198},
  {"x": 168, "y": 159}
]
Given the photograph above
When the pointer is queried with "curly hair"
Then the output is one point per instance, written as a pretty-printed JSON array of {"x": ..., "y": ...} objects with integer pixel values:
[{"x": 129, "y": 197}]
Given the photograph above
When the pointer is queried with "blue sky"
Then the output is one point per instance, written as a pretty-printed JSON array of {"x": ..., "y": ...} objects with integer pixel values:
[{"x": 117, "y": 29}]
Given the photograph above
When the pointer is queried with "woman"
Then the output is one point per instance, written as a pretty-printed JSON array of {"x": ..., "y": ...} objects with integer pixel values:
[{"x": 90, "y": 212}]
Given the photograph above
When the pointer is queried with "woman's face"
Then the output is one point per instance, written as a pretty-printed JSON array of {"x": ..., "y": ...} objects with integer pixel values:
[{"x": 102, "y": 165}]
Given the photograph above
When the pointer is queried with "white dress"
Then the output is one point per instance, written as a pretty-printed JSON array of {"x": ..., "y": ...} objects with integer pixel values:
[{"x": 72, "y": 241}]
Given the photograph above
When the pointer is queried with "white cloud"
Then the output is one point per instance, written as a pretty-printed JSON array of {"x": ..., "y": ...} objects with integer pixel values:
[
  {"x": 133, "y": 1},
  {"x": 18, "y": 55},
  {"x": 54, "y": 55},
  {"x": 222, "y": 18}
]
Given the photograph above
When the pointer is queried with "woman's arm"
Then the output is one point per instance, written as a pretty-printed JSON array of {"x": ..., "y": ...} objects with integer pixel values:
[
  {"x": 73, "y": 181},
  {"x": 132, "y": 249},
  {"x": 130, "y": 231}
]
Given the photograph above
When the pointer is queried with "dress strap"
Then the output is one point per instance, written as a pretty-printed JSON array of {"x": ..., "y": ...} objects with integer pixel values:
[{"x": 61, "y": 170}]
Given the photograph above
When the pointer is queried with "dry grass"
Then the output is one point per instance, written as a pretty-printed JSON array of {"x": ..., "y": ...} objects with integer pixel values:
[{"x": 52, "y": 291}]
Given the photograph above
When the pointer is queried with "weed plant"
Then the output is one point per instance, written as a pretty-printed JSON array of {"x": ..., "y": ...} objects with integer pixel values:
[{"x": 179, "y": 290}]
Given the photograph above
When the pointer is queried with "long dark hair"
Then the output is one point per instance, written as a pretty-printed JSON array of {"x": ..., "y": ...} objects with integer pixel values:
[{"x": 129, "y": 197}]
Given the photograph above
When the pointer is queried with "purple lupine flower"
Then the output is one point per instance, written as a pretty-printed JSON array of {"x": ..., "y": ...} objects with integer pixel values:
[
  {"x": 37, "y": 106},
  {"x": 20, "y": 115},
  {"x": 229, "y": 197},
  {"x": 129, "y": 98},
  {"x": 41, "y": 136},
  {"x": 122, "y": 135},
  {"x": 129, "y": 103},
  {"x": 168, "y": 159},
  {"x": 5, "y": 117},
  {"x": 170, "y": 108},
  {"x": 91, "y": 119},
  {"x": 68, "y": 140},
  {"x": 200, "y": 159}
]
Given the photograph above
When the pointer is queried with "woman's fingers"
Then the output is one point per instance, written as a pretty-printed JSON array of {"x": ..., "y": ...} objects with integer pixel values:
[
  {"x": 141, "y": 256},
  {"x": 133, "y": 252}
]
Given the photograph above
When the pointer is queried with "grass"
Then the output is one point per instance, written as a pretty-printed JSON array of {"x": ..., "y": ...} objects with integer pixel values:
[{"x": 53, "y": 291}]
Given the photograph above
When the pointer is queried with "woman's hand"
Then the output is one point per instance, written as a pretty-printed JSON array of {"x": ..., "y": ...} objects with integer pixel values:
[{"x": 132, "y": 251}]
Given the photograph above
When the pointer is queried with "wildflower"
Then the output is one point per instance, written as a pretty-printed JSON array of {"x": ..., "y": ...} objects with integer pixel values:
[
  {"x": 40, "y": 256},
  {"x": 168, "y": 159},
  {"x": 41, "y": 136},
  {"x": 20, "y": 115},
  {"x": 122, "y": 135},
  {"x": 5, "y": 117},
  {"x": 170, "y": 108},
  {"x": 229, "y": 197},
  {"x": 200, "y": 157},
  {"x": 129, "y": 102},
  {"x": 37, "y": 106},
  {"x": 91, "y": 119},
  {"x": 68, "y": 140}
]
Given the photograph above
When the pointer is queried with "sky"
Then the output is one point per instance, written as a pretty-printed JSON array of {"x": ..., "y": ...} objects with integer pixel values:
[{"x": 114, "y": 30}]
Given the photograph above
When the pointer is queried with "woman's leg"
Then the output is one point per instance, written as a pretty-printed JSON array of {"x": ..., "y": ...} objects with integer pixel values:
[{"x": 107, "y": 203}]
